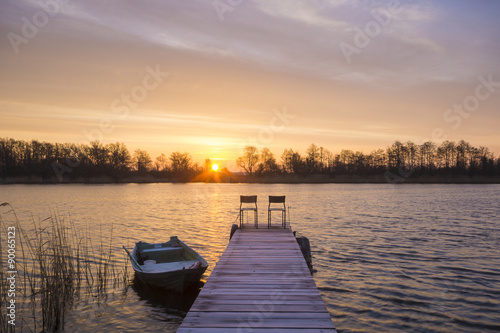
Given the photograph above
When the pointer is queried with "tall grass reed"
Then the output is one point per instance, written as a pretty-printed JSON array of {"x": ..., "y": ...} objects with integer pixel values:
[{"x": 57, "y": 266}]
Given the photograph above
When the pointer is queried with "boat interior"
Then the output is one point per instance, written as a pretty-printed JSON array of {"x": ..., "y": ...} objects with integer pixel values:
[{"x": 160, "y": 253}]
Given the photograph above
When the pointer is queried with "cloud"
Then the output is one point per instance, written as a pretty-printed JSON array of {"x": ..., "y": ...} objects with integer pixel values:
[
  {"x": 308, "y": 13},
  {"x": 227, "y": 76}
]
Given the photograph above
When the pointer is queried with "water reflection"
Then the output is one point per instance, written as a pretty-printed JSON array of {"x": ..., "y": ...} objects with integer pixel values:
[
  {"x": 170, "y": 301},
  {"x": 415, "y": 258}
]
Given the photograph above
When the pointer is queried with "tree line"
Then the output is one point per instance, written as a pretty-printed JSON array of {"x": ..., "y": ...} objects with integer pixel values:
[
  {"x": 450, "y": 158},
  {"x": 69, "y": 161},
  {"x": 19, "y": 158}
]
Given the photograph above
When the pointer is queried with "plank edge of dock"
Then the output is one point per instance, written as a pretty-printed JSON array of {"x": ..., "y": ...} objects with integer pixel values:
[{"x": 251, "y": 315}]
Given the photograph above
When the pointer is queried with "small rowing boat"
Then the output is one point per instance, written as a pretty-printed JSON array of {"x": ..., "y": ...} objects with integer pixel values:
[{"x": 170, "y": 265}]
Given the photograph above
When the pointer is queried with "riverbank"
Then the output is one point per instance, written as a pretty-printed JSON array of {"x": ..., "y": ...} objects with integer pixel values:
[{"x": 279, "y": 179}]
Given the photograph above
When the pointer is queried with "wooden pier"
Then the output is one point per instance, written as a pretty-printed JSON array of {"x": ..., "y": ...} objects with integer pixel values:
[{"x": 260, "y": 284}]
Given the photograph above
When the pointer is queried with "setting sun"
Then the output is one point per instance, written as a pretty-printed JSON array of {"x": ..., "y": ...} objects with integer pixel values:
[{"x": 215, "y": 167}]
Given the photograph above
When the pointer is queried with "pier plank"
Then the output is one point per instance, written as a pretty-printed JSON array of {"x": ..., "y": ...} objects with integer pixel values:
[{"x": 261, "y": 284}]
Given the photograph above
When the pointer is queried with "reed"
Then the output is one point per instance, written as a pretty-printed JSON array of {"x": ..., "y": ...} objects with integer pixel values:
[{"x": 58, "y": 265}]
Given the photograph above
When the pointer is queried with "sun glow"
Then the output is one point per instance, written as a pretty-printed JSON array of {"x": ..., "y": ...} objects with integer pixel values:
[{"x": 215, "y": 167}]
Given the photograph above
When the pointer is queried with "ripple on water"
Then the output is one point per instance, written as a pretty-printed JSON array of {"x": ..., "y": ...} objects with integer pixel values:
[{"x": 412, "y": 258}]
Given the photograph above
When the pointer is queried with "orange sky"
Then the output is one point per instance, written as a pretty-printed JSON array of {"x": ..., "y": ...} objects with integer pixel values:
[{"x": 191, "y": 76}]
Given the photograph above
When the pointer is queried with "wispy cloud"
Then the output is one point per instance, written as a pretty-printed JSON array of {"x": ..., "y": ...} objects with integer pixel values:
[{"x": 226, "y": 77}]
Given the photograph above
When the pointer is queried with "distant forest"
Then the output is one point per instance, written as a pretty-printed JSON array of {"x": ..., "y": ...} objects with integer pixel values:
[{"x": 35, "y": 161}]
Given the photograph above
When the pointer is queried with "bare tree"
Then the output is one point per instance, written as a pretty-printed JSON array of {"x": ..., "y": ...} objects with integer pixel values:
[
  {"x": 180, "y": 161},
  {"x": 313, "y": 158},
  {"x": 463, "y": 153},
  {"x": 292, "y": 162},
  {"x": 161, "y": 163},
  {"x": 446, "y": 153},
  {"x": 249, "y": 159},
  {"x": 267, "y": 162},
  {"x": 427, "y": 155},
  {"x": 378, "y": 159},
  {"x": 119, "y": 156},
  {"x": 142, "y": 160},
  {"x": 97, "y": 154}
]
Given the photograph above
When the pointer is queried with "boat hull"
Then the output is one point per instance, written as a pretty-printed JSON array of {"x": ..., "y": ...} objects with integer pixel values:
[
  {"x": 177, "y": 280},
  {"x": 162, "y": 265}
]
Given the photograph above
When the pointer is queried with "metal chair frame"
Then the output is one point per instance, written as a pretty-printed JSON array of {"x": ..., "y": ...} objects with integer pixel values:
[
  {"x": 249, "y": 199},
  {"x": 276, "y": 199}
]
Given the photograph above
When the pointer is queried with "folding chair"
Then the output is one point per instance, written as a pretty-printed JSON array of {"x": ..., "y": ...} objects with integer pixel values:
[
  {"x": 276, "y": 200},
  {"x": 248, "y": 199}
]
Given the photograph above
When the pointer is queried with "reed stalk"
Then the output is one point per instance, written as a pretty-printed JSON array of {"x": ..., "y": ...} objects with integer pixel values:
[{"x": 58, "y": 266}]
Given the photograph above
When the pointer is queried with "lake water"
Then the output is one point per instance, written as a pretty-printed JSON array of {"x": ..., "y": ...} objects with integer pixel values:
[{"x": 408, "y": 258}]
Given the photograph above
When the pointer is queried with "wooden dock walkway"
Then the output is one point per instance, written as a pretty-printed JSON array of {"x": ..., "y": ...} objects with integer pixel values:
[{"x": 260, "y": 284}]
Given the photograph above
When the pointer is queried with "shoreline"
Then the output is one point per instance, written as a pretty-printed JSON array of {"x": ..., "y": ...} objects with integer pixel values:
[{"x": 312, "y": 179}]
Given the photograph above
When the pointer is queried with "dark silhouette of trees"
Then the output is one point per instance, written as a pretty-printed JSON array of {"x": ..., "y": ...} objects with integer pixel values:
[
  {"x": 249, "y": 160},
  {"x": 97, "y": 154},
  {"x": 313, "y": 159},
  {"x": 267, "y": 163},
  {"x": 39, "y": 161},
  {"x": 180, "y": 162},
  {"x": 427, "y": 153},
  {"x": 161, "y": 163},
  {"x": 142, "y": 161},
  {"x": 446, "y": 154},
  {"x": 119, "y": 157},
  {"x": 428, "y": 159},
  {"x": 292, "y": 162},
  {"x": 378, "y": 161}
]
